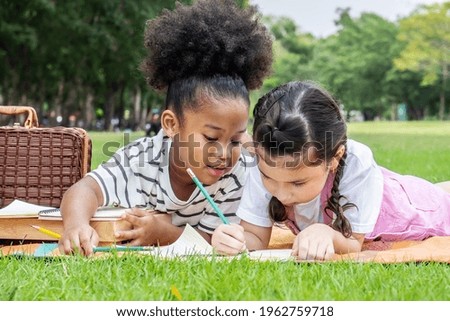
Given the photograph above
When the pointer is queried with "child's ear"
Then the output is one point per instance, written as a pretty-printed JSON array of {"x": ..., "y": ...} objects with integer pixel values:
[
  {"x": 170, "y": 123},
  {"x": 337, "y": 157}
]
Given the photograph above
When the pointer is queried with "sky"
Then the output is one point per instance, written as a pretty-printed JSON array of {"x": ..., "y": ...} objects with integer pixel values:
[{"x": 317, "y": 16}]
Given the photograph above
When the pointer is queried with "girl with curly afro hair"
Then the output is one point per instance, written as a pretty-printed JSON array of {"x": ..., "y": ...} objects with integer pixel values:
[{"x": 206, "y": 57}]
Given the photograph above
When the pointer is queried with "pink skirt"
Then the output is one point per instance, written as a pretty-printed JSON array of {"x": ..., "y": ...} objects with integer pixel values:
[{"x": 412, "y": 209}]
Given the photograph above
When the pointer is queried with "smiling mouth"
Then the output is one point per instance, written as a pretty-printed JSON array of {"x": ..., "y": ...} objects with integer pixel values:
[{"x": 216, "y": 171}]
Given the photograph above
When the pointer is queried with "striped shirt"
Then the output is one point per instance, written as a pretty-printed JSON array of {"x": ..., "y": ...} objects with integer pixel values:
[{"x": 137, "y": 175}]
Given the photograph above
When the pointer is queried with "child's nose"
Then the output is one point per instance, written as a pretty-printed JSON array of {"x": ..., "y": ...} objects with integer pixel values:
[
  {"x": 219, "y": 150},
  {"x": 282, "y": 196}
]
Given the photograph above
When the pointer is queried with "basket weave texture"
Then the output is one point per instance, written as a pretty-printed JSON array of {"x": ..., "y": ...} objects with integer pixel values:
[{"x": 38, "y": 165}]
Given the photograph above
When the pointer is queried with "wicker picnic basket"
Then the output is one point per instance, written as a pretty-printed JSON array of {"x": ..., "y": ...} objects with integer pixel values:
[{"x": 38, "y": 165}]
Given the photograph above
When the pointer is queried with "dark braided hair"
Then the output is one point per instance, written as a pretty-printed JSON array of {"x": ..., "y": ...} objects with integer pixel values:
[
  {"x": 290, "y": 120},
  {"x": 211, "y": 48}
]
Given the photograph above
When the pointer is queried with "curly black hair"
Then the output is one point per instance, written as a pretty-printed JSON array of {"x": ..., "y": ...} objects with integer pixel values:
[{"x": 207, "y": 38}]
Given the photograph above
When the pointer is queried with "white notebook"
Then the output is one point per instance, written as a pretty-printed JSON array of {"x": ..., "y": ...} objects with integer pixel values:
[
  {"x": 18, "y": 209},
  {"x": 103, "y": 213}
]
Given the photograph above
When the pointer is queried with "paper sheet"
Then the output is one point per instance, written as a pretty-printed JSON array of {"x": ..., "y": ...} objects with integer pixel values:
[
  {"x": 189, "y": 243},
  {"x": 19, "y": 208}
]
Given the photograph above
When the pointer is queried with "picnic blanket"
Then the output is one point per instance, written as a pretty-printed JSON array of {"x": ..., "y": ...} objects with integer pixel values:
[{"x": 433, "y": 249}]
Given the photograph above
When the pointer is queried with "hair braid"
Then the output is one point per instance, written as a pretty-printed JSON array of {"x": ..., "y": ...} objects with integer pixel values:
[{"x": 341, "y": 223}]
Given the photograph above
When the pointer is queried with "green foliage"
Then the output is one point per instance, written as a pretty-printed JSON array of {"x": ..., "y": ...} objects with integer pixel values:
[
  {"x": 63, "y": 52},
  {"x": 292, "y": 50},
  {"x": 357, "y": 63},
  {"x": 79, "y": 56},
  {"x": 426, "y": 34},
  {"x": 354, "y": 62}
]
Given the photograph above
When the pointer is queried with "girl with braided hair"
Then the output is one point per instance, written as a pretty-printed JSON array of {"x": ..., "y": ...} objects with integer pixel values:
[
  {"x": 206, "y": 56},
  {"x": 326, "y": 188}
]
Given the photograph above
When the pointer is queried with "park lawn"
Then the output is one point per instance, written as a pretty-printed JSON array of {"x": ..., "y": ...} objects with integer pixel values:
[
  {"x": 419, "y": 148},
  {"x": 416, "y": 148},
  {"x": 104, "y": 144}
]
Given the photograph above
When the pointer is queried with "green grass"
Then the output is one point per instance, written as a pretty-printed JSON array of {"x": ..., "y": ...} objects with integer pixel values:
[
  {"x": 105, "y": 144},
  {"x": 422, "y": 149},
  {"x": 138, "y": 278},
  {"x": 418, "y": 148}
]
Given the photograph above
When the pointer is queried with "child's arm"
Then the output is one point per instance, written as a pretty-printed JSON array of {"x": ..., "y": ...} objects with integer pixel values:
[
  {"x": 256, "y": 237},
  {"x": 152, "y": 228},
  {"x": 232, "y": 239},
  {"x": 78, "y": 205},
  {"x": 320, "y": 241}
]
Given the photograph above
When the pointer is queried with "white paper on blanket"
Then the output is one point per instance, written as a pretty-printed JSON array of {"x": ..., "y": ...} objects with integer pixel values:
[
  {"x": 18, "y": 208},
  {"x": 190, "y": 242},
  {"x": 272, "y": 255}
]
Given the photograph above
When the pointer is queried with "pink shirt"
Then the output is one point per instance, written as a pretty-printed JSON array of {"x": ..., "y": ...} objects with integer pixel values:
[{"x": 411, "y": 209}]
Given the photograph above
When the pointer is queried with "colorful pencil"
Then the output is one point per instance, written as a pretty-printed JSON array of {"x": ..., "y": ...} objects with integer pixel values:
[
  {"x": 206, "y": 194},
  {"x": 46, "y": 231},
  {"x": 122, "y": 248}
]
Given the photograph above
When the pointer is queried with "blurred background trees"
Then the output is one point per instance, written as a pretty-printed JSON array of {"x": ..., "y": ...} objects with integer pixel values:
[
  {"x": 378, "y": 68},
  {"x": 77, "y": 59},
  {"x": 77, "y": 62}
]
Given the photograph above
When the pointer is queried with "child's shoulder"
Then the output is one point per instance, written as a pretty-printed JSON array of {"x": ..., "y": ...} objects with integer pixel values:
[
  {"x": 359, "y": 151},
  {"x": 156, "y": 141},
  {"x": 359, "y": 160},
  {"x": 147, "y": 148},
  {"x": 238, "y": 174}
]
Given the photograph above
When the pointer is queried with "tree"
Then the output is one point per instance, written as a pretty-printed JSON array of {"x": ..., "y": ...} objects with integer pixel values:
[
  {"x": 293, "y": 50},
  {"x": 354, "y": 62},
  {"x": 75, "y": 56},
  {"x": 426, "y": 34}
]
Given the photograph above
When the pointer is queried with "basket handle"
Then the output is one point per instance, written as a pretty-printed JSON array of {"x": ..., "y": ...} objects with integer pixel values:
[{"x": 32, "y": 119}]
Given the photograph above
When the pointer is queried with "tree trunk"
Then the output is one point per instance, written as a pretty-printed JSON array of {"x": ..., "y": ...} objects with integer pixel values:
[
  {"x": 442, "y": 94},
  {"x": 69, "y": 112},
  {"x": 124, "y": 119},
  {"x": 393, "y": 112},
  {"x": 137, "y": 97},
  {"x": 109, "y": 108},
  {"x": 88, "y": 115},
  {"x": 55, "y": 110}
]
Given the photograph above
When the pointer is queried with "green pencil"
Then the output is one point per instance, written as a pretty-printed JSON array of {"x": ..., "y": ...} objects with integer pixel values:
[
  {"x": 122, "y": 248},
  {"x": 206, "y": 194}
]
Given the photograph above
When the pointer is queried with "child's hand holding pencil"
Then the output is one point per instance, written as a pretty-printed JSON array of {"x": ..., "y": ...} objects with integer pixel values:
[{"x": 229, "y": 239}]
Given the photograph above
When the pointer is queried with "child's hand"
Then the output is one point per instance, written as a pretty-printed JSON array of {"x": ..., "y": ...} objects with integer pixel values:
[
  {"x": 146, "y": 226},
  {"x": 314, "y": 243},
  {"x": 229, "y": 239},
  {"x": 78, "y": 239}
]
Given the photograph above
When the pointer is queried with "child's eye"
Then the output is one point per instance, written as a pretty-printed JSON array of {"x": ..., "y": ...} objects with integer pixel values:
[
  {"x": 211, "y": 139},
  {"x": 235, "y": 142},
  {"x": 298, "y": 184}
]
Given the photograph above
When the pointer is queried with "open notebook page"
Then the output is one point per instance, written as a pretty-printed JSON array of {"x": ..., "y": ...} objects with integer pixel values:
[
  {"x": 103, "y": 213},
  {"x": 18, "y": 208},
  {"x": 189, "y": 243},
  {"x": 192, "y": 243}
]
